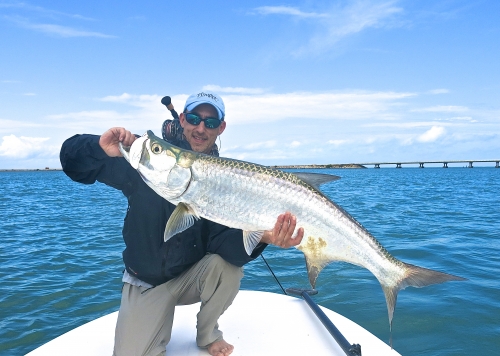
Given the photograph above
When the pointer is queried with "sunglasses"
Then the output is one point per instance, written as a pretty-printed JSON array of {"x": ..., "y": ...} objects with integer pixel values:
[{"x": 210, "y": 122}]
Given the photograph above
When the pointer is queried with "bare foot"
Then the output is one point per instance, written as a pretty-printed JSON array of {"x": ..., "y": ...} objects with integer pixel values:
[{"x": 220, "y": 348}]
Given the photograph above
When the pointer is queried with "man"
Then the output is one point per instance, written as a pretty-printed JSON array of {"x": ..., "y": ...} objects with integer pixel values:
[{"x": 203, "y": 263}]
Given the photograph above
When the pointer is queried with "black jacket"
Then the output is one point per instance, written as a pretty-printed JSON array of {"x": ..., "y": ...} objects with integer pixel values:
[{"x": 146, "y": 255}]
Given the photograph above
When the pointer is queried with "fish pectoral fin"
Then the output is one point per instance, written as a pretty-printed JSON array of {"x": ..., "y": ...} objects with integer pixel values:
[
  {"x": 181, "y": 219},
  {"x": 251, "y": 239}
]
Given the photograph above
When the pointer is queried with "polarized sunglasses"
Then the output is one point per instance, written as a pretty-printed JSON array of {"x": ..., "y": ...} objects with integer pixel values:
[{"x": 210, "y": 122}]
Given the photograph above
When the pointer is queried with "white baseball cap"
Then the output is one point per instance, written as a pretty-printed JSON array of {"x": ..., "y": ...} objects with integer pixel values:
[{"x": 206, "y": 97}]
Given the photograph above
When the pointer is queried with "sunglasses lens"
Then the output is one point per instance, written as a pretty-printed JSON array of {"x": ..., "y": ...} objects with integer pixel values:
[
  {"x": 193, "y": 119},
  {"x": 212, "y": 123}
]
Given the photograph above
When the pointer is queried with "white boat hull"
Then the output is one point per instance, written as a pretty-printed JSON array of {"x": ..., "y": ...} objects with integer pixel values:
[{"x": 258, "y": 323}]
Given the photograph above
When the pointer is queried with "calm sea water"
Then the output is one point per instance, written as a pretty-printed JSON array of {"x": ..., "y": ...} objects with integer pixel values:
[{"x": 60, "y": 257}]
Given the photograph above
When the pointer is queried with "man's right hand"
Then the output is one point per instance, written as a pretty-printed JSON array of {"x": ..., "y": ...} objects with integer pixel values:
[
  {"x": 281, "y": 235},
  {"x": 110, "y": 139}
]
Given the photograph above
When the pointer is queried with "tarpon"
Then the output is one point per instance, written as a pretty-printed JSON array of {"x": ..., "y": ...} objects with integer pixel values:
[{"x": 249, "y": 197}]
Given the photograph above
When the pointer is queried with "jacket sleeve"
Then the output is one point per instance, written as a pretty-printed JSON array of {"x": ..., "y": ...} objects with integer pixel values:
[
  {"x": 84, "y": 161},
  {"x": 228, "y": 243}
]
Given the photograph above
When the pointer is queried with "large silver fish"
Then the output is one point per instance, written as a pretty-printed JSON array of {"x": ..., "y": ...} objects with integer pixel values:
[{"x": 248, "y": 196}]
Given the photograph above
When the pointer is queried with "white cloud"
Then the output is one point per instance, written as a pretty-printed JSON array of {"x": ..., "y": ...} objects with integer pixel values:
[
  {"x": 242, "y": 107},
  {"x": 64, "y": 31},
  {"x": 287, "y": 10},
  {"x": 233, "y": 90},
  {"x": 98, "y": 121},
  {"x": 55, "y": 30},
  {"x": 405, "y": 124},
  {"x": 341, "y": 20},
  {"x": 89, "y": 116},
  {"x": 42, "y": 11},
  {"x": 8, "y": 126},
  {"x": 24, "y": 147},
  {"x": 143, "y": 101},
  {"x": 136, "y": 113},
  {"x": 432, "y": 134},
  {"x": 260, "y": 145},
  {"x": 337, "y": 143},
  {"x": 353, "y": 18},
  {"x": 309, "y": 105},
  {"x": 295, "y": 144},
  {"x": 443, "y": 108}
]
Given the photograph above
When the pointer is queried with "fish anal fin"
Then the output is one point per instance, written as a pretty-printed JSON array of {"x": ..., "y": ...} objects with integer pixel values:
[
  {"x": 312, "y": 273},
  {"x": 251, "y": 239},
  {"x": 181, "y": 219}
]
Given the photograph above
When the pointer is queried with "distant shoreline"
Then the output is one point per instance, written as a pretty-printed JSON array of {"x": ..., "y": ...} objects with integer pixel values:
[
  {"x": 296, "y": 166},
  {"x": 320, "y": 166},
  {"x": 31, "y": 170}
]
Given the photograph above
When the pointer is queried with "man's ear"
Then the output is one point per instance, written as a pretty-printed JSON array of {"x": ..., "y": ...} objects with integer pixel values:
[
  {"x": 222, "y": 127},
  {"x": 182, "y": 119}
]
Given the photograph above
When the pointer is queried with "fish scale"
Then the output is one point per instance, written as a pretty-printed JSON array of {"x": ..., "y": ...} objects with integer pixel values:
[{"x": 249, "y": 197}]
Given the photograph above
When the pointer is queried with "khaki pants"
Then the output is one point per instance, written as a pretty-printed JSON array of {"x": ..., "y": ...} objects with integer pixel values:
[{"x": 145, "y": 318}]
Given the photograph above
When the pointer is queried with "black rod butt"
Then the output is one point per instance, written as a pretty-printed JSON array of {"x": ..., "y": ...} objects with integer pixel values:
[
  {"x": 350, "y": 350},
  {"x": 166, "y": 100}
]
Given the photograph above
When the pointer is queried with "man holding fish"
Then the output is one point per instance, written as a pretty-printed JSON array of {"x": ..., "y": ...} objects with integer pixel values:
[{"x": 203, "y": 263}]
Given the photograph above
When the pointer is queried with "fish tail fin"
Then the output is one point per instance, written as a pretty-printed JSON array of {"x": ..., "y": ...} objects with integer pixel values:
[{"x": 414, "y": 276}]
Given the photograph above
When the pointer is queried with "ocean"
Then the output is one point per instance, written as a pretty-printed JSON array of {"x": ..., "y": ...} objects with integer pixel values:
[{"x": 60, "y": 257}]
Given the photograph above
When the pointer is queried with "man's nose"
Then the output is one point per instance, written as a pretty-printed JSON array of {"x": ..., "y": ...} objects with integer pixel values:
[{"x": 201, "y": 127}]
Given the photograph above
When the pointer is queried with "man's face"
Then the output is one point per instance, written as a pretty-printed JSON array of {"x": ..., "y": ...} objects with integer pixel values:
[{"x": 199, "y": 137}]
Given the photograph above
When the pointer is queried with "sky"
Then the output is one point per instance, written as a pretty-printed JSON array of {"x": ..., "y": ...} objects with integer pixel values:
[{"x": 304, "y": 82}]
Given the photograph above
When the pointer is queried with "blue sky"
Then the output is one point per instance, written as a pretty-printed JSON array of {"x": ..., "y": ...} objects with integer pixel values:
[{"x": 304, "y": 81}]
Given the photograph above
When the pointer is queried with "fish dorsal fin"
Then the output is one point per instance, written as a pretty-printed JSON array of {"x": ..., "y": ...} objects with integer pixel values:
[
  {"x": 316, "y": 179},
  {"x": 251, "y": 239},
  {"x": 181, "y": 219}
]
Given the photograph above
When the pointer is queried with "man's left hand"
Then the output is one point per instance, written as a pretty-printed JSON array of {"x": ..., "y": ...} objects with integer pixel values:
[{"x": 281, "y": 234}]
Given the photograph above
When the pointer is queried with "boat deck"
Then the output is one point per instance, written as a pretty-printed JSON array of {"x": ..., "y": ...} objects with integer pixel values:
[{"x": 258, "y": 323}]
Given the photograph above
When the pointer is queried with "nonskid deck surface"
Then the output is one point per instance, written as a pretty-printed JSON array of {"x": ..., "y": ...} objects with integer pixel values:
[{"x": 258, "y": 323}]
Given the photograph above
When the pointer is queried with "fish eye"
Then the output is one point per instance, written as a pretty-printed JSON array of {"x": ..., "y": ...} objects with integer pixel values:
[{"x": 156, "y": 148}]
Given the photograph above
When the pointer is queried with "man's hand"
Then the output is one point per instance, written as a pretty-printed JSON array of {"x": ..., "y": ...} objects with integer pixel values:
[
  {"x": 281, "y": 235},
  {"x": 109, "y": 140}
]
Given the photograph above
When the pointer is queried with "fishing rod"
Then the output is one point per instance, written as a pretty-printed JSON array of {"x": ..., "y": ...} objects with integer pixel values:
[{"x": 349, "y": 349}]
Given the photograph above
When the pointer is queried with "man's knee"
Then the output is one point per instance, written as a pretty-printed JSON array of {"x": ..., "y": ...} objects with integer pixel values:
[
  {"x": 221, "y": 276},
  {"x": 227, "y": 271}
]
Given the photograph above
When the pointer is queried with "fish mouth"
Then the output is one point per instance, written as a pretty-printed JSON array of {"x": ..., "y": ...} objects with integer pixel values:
[
  {"x": 125, "y": 150},
  {"x": 133, "y": 154}
]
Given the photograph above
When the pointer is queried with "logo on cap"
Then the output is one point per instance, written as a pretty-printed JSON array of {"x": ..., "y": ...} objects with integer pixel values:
[{"x": 211, "y": 96}]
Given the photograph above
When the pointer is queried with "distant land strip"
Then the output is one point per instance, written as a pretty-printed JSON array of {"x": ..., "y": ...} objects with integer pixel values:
[
  {"x": 46, "y": 169},
  {"x": 319, "y": 166}
]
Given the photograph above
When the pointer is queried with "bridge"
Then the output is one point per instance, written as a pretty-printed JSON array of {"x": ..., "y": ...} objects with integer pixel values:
[{"x": 445, "y": 163}]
